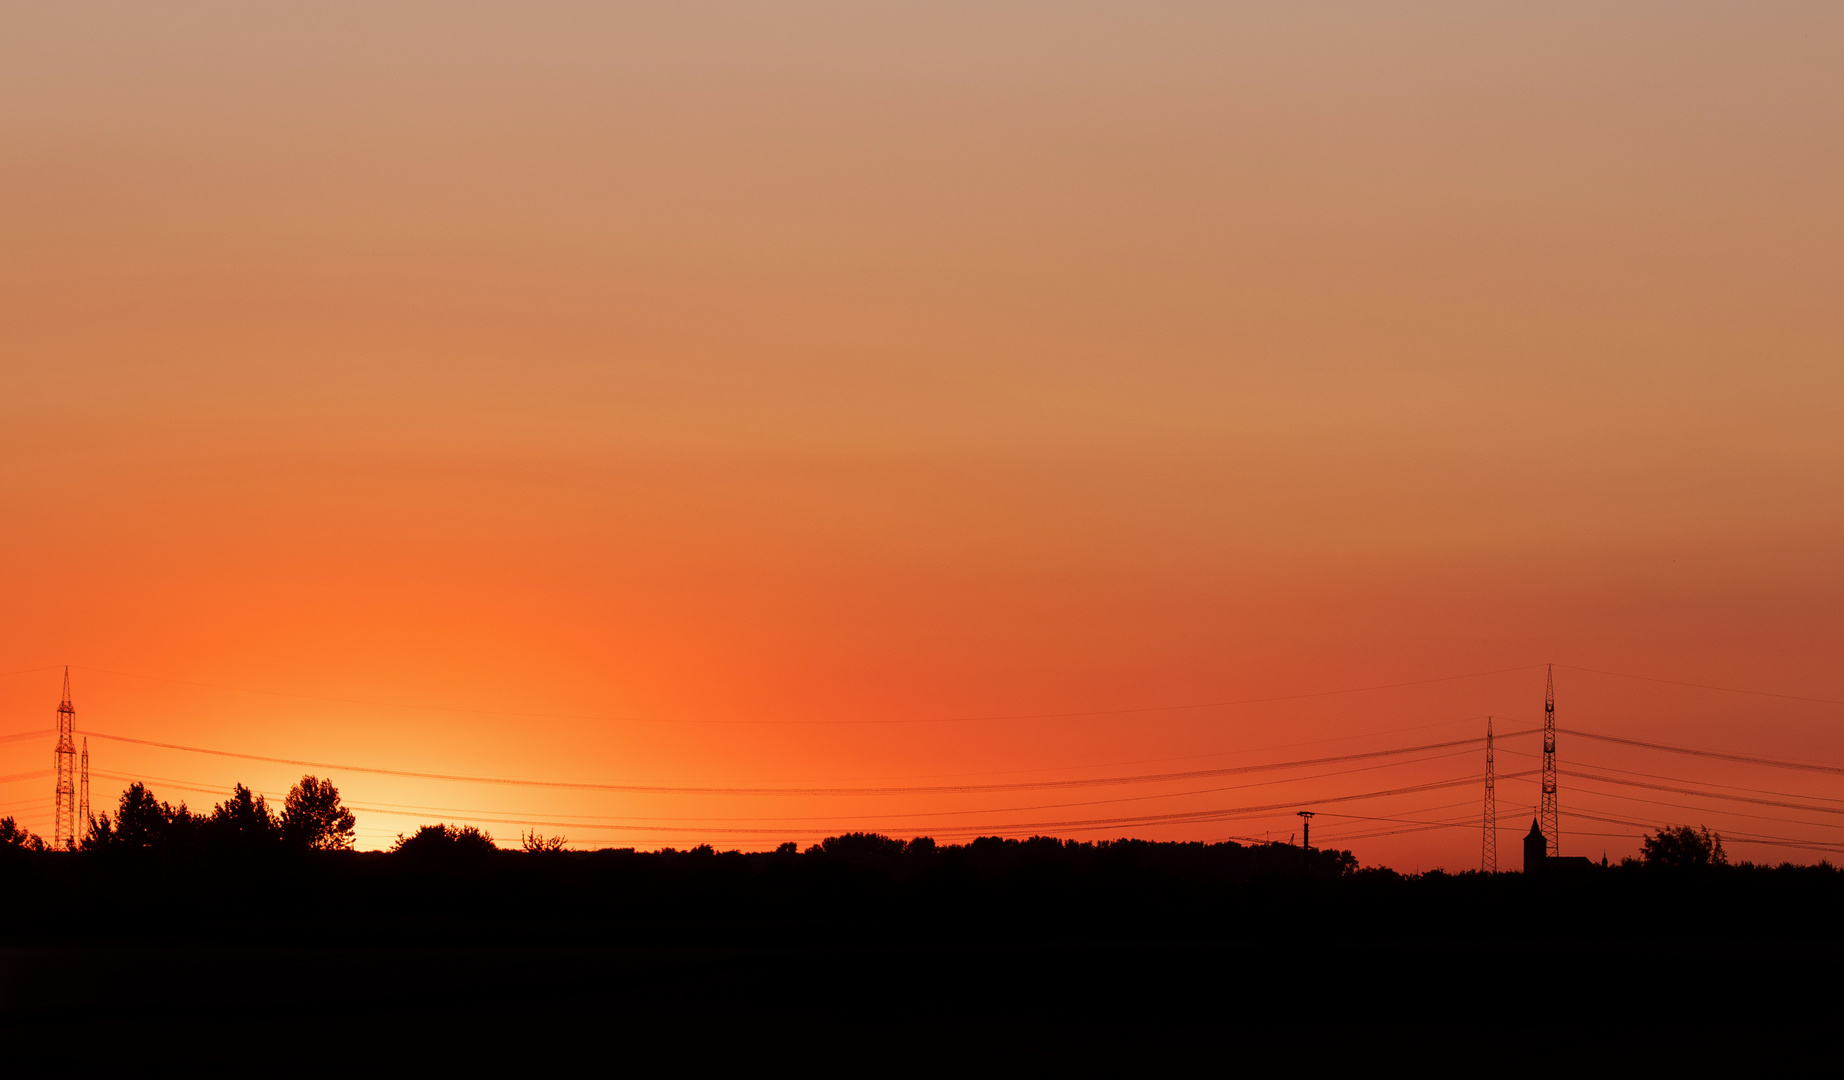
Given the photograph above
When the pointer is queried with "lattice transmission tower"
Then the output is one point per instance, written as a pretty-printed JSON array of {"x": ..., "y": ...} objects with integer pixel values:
[
  {"x": 64, "y": 812},
  {"x": 83, "y": 792},
  {"x": 1488, "y": 856},
  {"x": 1546, "y": 812}
]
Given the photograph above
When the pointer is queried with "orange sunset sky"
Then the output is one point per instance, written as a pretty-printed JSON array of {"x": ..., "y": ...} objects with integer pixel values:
[{"x": 929, "y": 395}]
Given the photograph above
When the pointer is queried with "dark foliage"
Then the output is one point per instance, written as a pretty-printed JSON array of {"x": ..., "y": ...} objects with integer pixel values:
[
  {"x": 154, "y": 865},
  {"x": 537, "y": 844},
  {"x": 1683, "y": 848},
  {"x": 243, "y": 823},
  {"x": 313, "y": 818},
  {"x": 13, "y": 835},
  {"x": 242, "y": 828},
  {"x": 1118, "y": 957},
  {"x": 445, "y": 843},
  {"x": 861, "y": 845},
  {"x": 143, "y": 822}
]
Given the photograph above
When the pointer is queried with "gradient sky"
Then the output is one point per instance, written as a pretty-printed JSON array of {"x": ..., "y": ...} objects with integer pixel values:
[{"x": 747, "y": 394}]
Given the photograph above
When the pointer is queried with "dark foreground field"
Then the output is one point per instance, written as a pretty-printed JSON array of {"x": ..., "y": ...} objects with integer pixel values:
[
  {"x": 1045, "y": 1008},
  {"x": 1014, "y": 962}
]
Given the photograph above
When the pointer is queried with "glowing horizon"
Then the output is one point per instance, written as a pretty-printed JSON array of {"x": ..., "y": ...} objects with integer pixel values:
[{"x": 662, "y": 395}]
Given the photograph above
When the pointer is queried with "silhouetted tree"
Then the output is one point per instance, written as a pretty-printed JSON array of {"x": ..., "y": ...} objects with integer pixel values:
[
  {"x": 861, "y": 845},
  {"x": 541, "y": 845},
  {"x": 444, "y": 841},
  {"x": 100, "y": 833},
  {"x": 313, "y": 818},
  {"x": 243, "y": 823},
  {"x": 13, "y": 835},
  {"x": 1682, "y": 847},
  {"x": 140, "y": 820}
]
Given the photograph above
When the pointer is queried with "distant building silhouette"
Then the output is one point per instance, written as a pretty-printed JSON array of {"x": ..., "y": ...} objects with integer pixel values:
[
  {"x": 1536, "y": 848},
  {"x": 1538, "y": 860}
]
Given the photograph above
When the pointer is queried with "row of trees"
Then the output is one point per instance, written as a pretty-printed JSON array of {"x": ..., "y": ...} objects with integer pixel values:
[{"x": 311, "y": 819}]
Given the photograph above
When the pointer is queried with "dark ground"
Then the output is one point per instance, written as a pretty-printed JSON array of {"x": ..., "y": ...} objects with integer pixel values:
[
  {"x": 1010, "y": 959},
  {"x": 1044, "y": 1008}
]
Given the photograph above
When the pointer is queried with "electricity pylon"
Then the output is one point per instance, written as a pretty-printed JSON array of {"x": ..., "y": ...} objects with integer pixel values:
[
  {"x": 83, "y": 792},
  {"x": 1546, "y": 811},
  {"x": 64, "y": 810},
  {"x": 1488, "y": 857}
]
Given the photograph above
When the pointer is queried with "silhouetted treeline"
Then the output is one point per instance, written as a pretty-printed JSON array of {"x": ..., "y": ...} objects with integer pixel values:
[
  {"x": 240, "y": 828},
  {"x": 159, "y": 869}
]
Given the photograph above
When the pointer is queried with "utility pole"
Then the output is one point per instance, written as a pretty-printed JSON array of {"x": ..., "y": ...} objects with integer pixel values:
[
  {"x": 1306, "y": 839},
  {"x": 64, "y": 808},
  {"x": 1546, "y": 810},
  {"x": 1488, "y": 857}
]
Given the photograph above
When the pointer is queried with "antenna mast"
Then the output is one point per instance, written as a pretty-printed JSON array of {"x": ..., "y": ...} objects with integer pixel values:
[
  {"x": 1488, "y": 857},
  {"x": 64, "y": 809},
  {"x": 1546, "y": 812}
]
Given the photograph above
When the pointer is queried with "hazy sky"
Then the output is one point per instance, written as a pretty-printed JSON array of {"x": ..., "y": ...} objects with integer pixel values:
[{"x": 655, "y": 380}]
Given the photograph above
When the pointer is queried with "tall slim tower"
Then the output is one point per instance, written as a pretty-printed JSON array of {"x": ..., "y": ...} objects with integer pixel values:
[
  {"x": 64, "y": 810},
  {"x": 1546, "y": 812},
  {"x": 1488, "y": 857},
  {"x": 83, "y": 791}
]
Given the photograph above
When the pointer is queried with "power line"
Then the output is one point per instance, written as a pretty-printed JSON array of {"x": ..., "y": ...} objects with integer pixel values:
[
  {"x": 1744, "y": 838},
  {"x": 655, "y": 789},
  {"x": 1718, "y": 811},
  {"x": 1707, "y": 810},
  {"x": 1089, "y": 765},
  {"x": 1772, "y": 763},
  {"x": 1080, "y": 825},
  {"x": 1699, "y": 783},
  {"x": 588, "y": 820},
  {"x": 1226, "y": 813},
  {"x": 1707, "y": 794},
  {"x": 30, "y": 670},
  {"x": 1704, "y": 686}
]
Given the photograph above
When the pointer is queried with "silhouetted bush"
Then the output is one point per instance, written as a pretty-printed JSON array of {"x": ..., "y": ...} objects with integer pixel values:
[{"x": 444, "y": 843}]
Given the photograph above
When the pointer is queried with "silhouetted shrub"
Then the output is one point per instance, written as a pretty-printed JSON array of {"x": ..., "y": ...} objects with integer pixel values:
[{"x": 444, "y": 842}]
